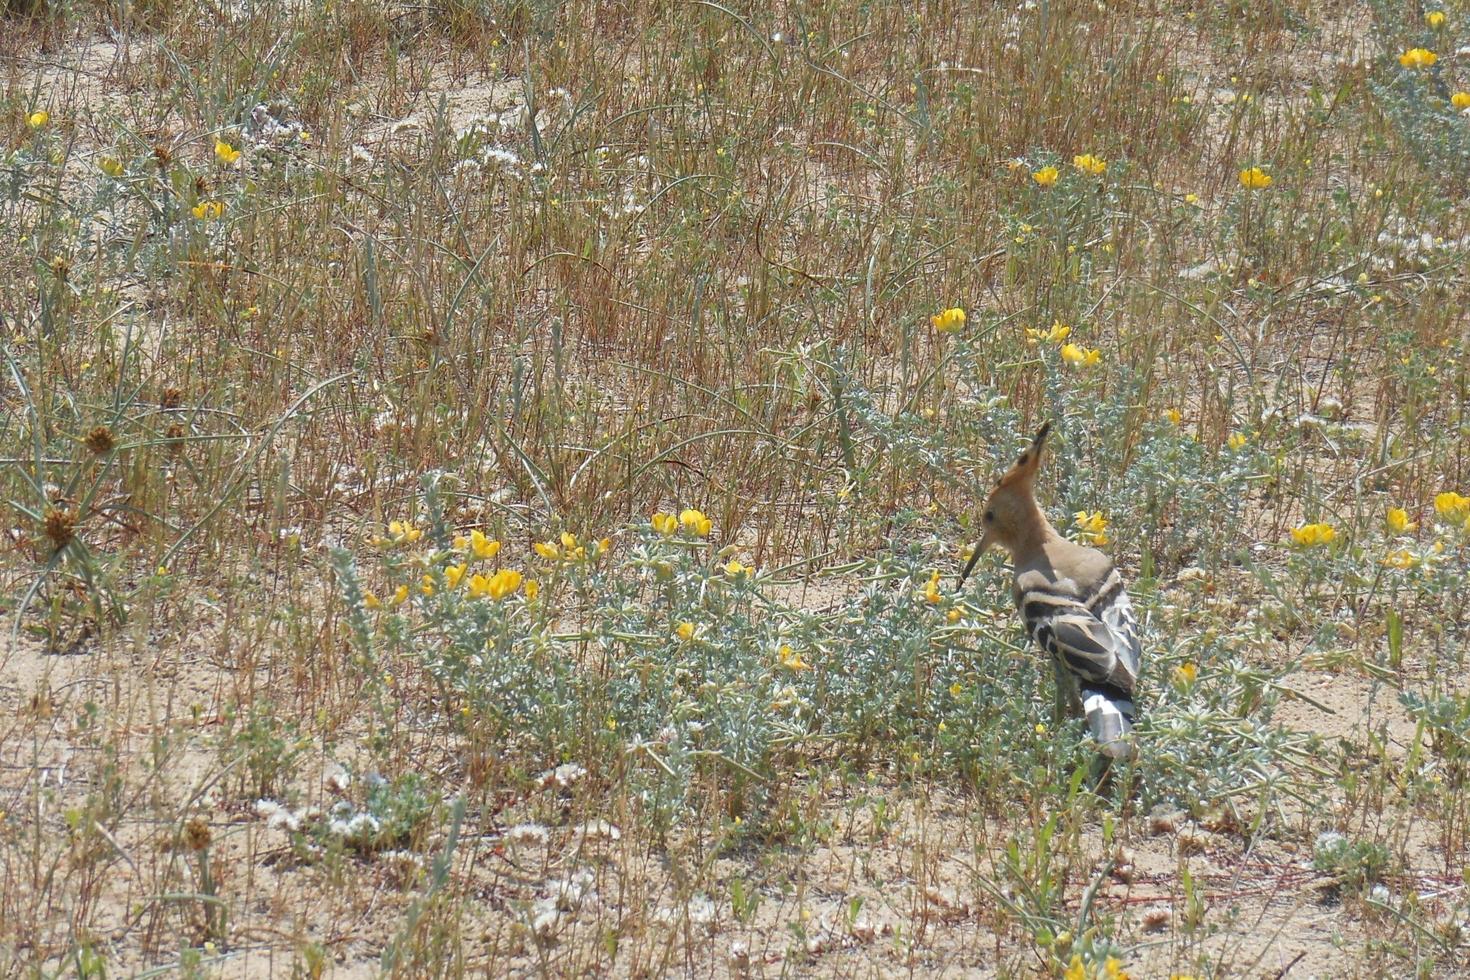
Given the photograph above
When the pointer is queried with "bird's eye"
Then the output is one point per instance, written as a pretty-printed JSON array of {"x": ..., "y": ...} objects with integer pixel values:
[{"x": 989, "y": 516}]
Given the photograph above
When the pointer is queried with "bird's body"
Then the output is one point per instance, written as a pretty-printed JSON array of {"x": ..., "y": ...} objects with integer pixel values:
[{"x": 1072, "y": 603}]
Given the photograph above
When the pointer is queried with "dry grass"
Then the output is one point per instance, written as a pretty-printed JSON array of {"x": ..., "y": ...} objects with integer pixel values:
[{"x": 536, "y": 268}]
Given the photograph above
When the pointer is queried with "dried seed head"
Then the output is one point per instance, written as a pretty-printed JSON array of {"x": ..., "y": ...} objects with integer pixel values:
[
  {"x": 201, "y": 186},
  {"x": 172, "y": 397},
  {"x": 61, "y": 526},
  {"x": 60, "y": 267},
  {"x": 163, "y": 156},
  {"x": 100, "y": 440},
  {"x": 197, "y": 834}
]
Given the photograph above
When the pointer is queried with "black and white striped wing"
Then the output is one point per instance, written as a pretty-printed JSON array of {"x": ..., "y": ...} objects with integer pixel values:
[{"x": 1100, "y": 649}]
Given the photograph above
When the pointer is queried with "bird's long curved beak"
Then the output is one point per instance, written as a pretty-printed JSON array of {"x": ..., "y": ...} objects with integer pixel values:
[{"x": 974, "y": 557}]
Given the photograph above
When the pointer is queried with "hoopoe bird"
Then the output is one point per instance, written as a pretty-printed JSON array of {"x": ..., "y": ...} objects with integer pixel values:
[{"x": 1072, "y": 603}]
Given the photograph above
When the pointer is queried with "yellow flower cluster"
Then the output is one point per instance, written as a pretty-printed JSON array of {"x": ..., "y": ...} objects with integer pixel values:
[
  {"x": 692, "y": 521},
  {"x": 1313, "y": 535},
  {"x": 1255, "y": 179},
  {"x": 497, "y": 586},
  {"x": 1184, "y": 675},
  {"x": 1450, "y": 506},
  {"x": 1416, "y": 58},
  {"x": 1237, "y": 440},
  {"x": 948, "y": 321},
  {"x": 931, "y": 593},
  {"x": 1401, "y": 558},
  {"x": 38, "y": 119},
  {"x": 111, "y": 166},
  {"x": 1080, "y": 356},
  {"x": 1174, "y": 416},
  {"x": 1059, "y": 332},
  {"x": 225, "y": 153},
  {"x": 1089, "y": 164},
  {"x": 567, "y": 548},
  {"x": 401, "y": 532},
  {"x": 791, "y": 659},
  {"x": 1046, "y": 176},
  {"x": 1091, "y": 528},
  {"x": 1112, "y": 969},
  {"x": 1398, "y": 521},
  {"x": 1460, "y": 100},
  {"x": 208, "y": 210},
  {"x": 477, "y": 544},
  {"x": 1435, "y": 18}
]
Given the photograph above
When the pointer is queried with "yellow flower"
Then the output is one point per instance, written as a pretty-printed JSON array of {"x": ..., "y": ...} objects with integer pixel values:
[
  {"x": 38, "y": 119},
  {"x": 1460, "y": 100},
  {"x": 1087, "y": 163},
  {"x": 695, "y": 522},
  {"x": 1046, "y": 176},
  {"x": 1184, "y": 675},
  {"x": 483, "y": 547},
  {"x": 224, "y": 152},
  {"x": 1451, "y": 506},
  {"x": 1059, "y": 332},
  {"x": 1191, "y": 198},
  {"x": 533, "y": 589},
  {"x": 931, "y": 591},
  {"x": 791, "y": 660},
  {"x": 949, "y": 320},
  {"x": 685, "y": 631},
  {"x": 735, "y": 569},
  {"x": 371, "y": 601},
  {"x": 1434, "y": 18},
  {"x": 1113, "y": 969},
  {"x": 426, "y": 585},
  {"x": 665, "y": 524},
  {"x": 1418, "y": 58},
  {"x": 400, "y": 595},
  {"x": 497, "y": 586},
  {"x": 503, "y": 583},
  {"x": 1255, "y": 179},
  {"x": 953, "y": 616},
  {"x": 956, "y": 689},
  {"x": 1092, "y": 528},
  {"x": 208, "y": 210},
  {"x": 454, "y": 573},
  {"x": 1080, "y": 356},
  {"x": 403, "y": 532},
  {"x": 1076, "y": 970},
  {"x": 1237, "y": 440},
  {"x": 547, "y": 550},
  {"x": 111, "y": 166},
  {"x": 1313, "y": 535},
  {"x": 1398, "y": 521},
  {"x": 1401, "y": 559},
  {"x": 1174, "y": 416}
]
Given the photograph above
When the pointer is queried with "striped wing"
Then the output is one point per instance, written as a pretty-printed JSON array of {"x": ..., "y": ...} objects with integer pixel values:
[
  {"x": 1096, "y": 642},
  {"x": 1090, "y": 648}
]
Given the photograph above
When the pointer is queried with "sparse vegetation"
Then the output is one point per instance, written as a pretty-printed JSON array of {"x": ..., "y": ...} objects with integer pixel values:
[{"x": 485, "y": 480}]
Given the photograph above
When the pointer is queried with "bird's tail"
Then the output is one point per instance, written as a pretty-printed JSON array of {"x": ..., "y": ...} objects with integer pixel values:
[{"x": 1110, "y": 717}]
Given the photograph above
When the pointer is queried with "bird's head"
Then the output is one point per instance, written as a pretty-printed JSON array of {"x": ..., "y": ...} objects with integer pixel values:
[{"x": 1011, "y": 516}]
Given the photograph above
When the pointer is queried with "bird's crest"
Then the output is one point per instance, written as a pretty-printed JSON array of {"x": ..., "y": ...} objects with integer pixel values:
[{"x": 1022, "y": 474}]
